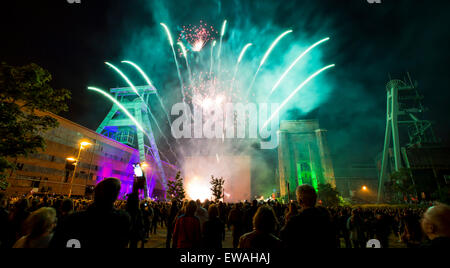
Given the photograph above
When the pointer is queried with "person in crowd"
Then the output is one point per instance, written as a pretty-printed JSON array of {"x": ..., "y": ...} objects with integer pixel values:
[
  {"x": 264, "y": 225},
  {"x": 16, "y": 220},
  {"x": 146, "y": 215},
  {"x": 38, "y": 229},
  {"x": 436, "y": 226},
  {"x": 173, "y": 212},
  {"x": 155, "y": 219},
  {"x": 101, "y": 225},
  {"x": 412, "y": 233},
  {"x": 311, "y": 228},
  {"x": 293, "y": 211},
  {"x": 186, "y": 233},
  {"x": 213, "y": 229},
  {"x": 3, "y": 221},
  {"x": 201, "y": 213},
  {"x": 137, "y": 221},
  {"x": 382, "y": 229},
  {"x": 354, "y": 226},
  {"x": 235, "y": 223},
  {"x": 66, "y": 209}
]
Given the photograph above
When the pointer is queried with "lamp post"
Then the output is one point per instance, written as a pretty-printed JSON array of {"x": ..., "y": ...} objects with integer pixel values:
[{"x": 76, "y": 161}]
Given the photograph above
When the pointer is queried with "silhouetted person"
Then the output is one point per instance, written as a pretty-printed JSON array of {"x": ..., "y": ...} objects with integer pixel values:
[
  {"x": 173, "y": 212},
  {"x": 186, "y": 233},
  {"x": 311, "y": 228},
  {"x": 16, "y": 220},
  {"x": 264, "y": 224},
  {"x": 213, "y": 229},
  {"x": 101, "y": 225},
  {"x": 137, "y": 221},
  {"x": 4, "y": 213},
  {"x": 436, "y": 226},
  {"x": 38, "y": 229},
  {"x": 235, "y": 221}
]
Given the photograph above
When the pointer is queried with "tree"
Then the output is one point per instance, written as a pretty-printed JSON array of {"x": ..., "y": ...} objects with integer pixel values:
[
  {"x": 175, "y": 189},
  {"x": 23, "y": 91},
  {"x": 217, "y": 188},
  {"x": 328, "y": 195}
]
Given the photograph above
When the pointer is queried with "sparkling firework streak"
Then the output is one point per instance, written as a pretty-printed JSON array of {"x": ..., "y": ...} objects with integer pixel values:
[
  {"x": 295, "y": 92},
  {"x": 241, "y": 55},
  {"x": 175, "y": 58},
  {"x": 266, "y": 55},
  {"x": 183, "y": 49},
  {"x": 121, "y": 107},
  {"x": 212, "y": 58},
  {"x": 143, "y": 101},
  {"x": 149, "y": 82},
  {"x": 224, "y": 26},
  {"x": 294, "y": 63}
]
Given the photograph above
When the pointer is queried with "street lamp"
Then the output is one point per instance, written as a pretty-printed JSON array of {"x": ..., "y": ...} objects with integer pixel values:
[
  {"x": 364, "y": 188},
  {"x": 83, "y": 144}
]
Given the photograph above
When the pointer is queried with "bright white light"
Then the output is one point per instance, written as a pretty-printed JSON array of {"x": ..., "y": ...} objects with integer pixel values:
[
  {"x": 198, "y": 45},
  {"x": 207, "y": 103},
  {"x": 219, "y": 99},
  {"x": 197, "y": 189}
]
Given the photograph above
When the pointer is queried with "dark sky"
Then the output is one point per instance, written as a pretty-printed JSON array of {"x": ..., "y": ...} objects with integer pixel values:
[{"x": 370, "y": 41}]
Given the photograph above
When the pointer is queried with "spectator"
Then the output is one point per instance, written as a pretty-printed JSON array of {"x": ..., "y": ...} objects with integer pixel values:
[
  {"x": 3, "y": 221},
  {"x": 311, "y": 228},
  {"x": 137, "y": 221},
  {"x": 235, "y": 221},
  {"x": 187, "y": 232},
  {"x": 38, "y": 229},
  {"x": 354, "y": 226},
  {"x": 173, "y": 212},
  {"x": 436, "y": 226},
  {"x": 101, "y": 225},
  {"x": 264, "y": 224},
  {"x": 213, "y": 229},
  {"x": 201, "y": 214}
]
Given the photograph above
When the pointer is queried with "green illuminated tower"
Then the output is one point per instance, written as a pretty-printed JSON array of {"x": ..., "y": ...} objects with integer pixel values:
[
  {"x": 303, "y": 156},
  {"x": 120, "y": 128}
]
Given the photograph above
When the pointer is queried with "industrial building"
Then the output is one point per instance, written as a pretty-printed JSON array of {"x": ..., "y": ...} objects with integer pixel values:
[{"x": 50, "y": 172}]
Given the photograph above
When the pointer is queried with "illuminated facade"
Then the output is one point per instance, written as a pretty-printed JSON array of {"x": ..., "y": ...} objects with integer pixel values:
[
  {"x": 50, "y": 172},
  {"x": 303, "y": 155}
]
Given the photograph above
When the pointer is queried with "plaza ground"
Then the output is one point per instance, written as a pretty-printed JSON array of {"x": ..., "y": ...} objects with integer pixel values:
[{"x": 158, "y": 240}]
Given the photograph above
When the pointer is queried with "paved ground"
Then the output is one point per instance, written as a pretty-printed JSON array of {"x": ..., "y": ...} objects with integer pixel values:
[{"x": 158, "y": 240}]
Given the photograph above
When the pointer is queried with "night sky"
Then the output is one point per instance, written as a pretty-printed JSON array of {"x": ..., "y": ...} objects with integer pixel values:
[{"x": 369, "y": 42}]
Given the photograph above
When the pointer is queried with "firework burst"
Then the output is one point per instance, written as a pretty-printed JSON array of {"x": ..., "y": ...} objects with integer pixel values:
[{"x": 197, "y": 36}]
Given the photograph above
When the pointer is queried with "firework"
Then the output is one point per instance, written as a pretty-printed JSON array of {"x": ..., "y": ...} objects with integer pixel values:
[
  {"x": 169, "y": 36},
  {"x": 197, "y": 36},
  {"x": 295, "y": 62},
  {"x": 266, "y": 55},
  {"x": 295, "y": 92}
]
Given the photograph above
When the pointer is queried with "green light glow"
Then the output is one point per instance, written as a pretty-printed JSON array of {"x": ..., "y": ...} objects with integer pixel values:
[
  {"x": 120, "y": 106},
  {"x": 140, "y": 71},
  {"x": 295, "y": 62},
  {"x": 295, "y": 92},
  {"x": 299, "y": 174},
  {"x": 124, "y": 77}
]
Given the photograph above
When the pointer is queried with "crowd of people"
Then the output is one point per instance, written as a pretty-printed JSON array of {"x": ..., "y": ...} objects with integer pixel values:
[{"x": 58, "y": 222}]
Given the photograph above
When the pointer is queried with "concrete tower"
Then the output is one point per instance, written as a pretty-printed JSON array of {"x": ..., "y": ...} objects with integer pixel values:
[{"x": 303, "y": 155}]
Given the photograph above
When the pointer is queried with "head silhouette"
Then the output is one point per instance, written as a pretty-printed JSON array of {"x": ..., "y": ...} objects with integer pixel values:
[{"x": 106, "y": 192}]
